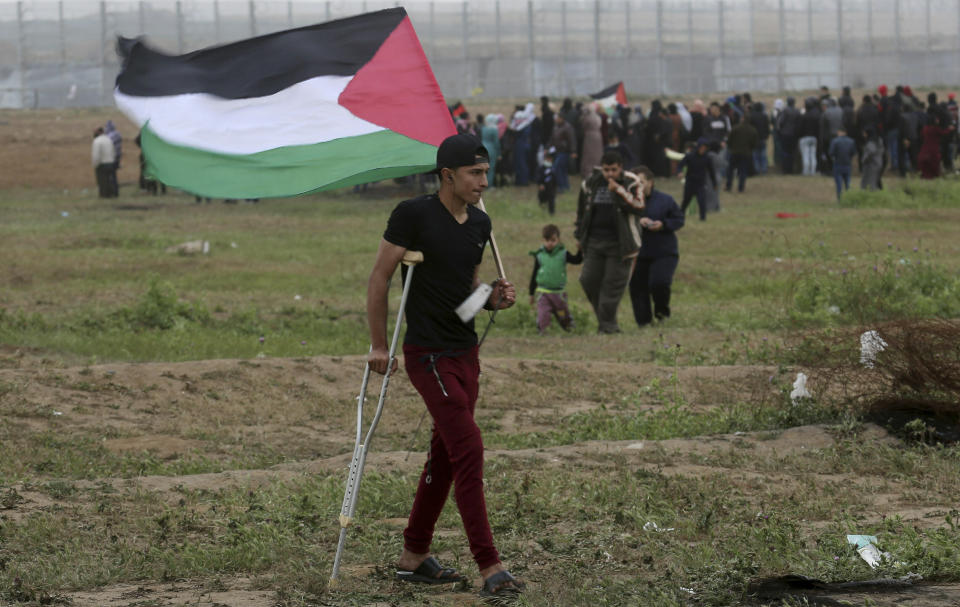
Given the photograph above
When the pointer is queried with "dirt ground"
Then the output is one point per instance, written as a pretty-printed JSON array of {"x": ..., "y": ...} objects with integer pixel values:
[
  {"x": 120, "y": 403},
  {"x": 51, "y": 148},
  {"x": 310, "y": 412}
]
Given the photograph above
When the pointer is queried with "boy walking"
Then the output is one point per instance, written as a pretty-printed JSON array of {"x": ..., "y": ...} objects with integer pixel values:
[{"x": 549, "y": 280}]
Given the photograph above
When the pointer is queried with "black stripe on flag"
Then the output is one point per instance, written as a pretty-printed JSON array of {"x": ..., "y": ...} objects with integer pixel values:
[
  {"x": 259, "y": 66},
  {"x": 610, "y": 90}
]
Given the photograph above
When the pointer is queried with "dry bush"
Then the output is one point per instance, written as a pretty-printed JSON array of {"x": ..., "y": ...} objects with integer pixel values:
[{"x": 915, "y": 376}]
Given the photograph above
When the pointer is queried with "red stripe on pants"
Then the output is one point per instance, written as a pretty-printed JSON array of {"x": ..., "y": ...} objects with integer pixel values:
[{"x": 456, "y": 451}]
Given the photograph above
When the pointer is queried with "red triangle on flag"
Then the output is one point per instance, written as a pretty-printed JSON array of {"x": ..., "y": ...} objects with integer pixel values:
[
  {"x": 397, "y": 90},
  {"x": 621, "y": 95}
]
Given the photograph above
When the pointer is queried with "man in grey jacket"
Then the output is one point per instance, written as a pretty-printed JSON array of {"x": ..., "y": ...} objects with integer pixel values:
[{"x": 608, "y": 232}]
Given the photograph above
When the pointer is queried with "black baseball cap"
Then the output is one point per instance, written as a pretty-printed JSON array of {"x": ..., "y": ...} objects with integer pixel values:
[{"x": 461, "y": 151}]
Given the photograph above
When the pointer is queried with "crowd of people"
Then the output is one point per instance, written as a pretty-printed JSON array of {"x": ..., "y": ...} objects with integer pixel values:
[
  {"x": 891, "y": 131},
  {"x": 626, "y": 229}
]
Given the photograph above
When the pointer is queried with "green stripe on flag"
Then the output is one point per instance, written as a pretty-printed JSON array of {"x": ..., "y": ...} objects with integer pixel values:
[{"x": 286, "y": 171}]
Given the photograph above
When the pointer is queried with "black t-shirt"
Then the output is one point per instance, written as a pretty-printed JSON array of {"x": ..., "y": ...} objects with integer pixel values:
[{"x": 451, "y": 253}]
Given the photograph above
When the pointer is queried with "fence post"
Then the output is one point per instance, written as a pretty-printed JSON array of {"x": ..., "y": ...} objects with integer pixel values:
[
  {"x": 840, "y": 39},
  {"x": 20, "y": 54},
  {"x": 253, "y": 18},
  {"x": 497, "y": 26},
  {"x": 289, "y": 14},
  {"x": 216, "y": 20},
  {"x": 660, "y": 66},
  {"x": 103, "y": 53},
  {"x": 564, "y": 85},
  {"x": 465, "y": 29},
  {"x": 629, "y": 30},
  {"x": 691, "y": 86},
  {"x": 179, "y": 27},
  {"x": 896, "y": 24},
  {"x": 141, "y": 18},
  {"x": 721, "y": 43},
  {"x": 810, "y": 25},
  {"x": 63, "y": 40},
  {"x": 433, "y": 31},
  {"x": 781, "y": 47},
  {"x": 870, "y": 28},
  {"x": 327, "y": 10},
  {"x": 532, "y": 70},
  {"x": 597, "y": 77},
  {"x": 596, "y": 30}
]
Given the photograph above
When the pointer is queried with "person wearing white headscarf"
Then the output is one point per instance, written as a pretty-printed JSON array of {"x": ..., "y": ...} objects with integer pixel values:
[
  {"x": 521, "y": 125},
  {"x": 685, "y": 117}
]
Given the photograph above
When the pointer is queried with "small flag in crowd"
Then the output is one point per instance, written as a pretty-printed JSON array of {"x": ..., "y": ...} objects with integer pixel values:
[
  {"x": 611, "y": 96},
  {"x": 458, "y": 109},
  {"x": 330, "y": 105}
]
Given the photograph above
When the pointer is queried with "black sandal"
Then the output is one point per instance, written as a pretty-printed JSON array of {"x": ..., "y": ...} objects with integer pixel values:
[
  {"x": 430, "y": 572},
  {"x": 501, "y": 588}
]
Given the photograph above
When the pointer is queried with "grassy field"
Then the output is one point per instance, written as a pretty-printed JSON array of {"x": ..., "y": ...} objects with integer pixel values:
[{"x": 175, "y": 429}]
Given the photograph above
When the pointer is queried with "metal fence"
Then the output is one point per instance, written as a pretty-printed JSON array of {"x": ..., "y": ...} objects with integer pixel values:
[{"x": 61, "y": 54}]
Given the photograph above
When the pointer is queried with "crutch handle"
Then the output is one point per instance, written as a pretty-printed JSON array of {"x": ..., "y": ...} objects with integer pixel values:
[{"x": 412, "y": 258}]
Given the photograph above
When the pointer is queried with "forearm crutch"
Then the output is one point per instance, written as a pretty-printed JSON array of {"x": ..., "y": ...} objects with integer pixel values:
[{"x": 410, "y": 259}]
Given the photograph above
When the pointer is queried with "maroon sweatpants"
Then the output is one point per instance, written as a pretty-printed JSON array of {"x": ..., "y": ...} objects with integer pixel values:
[{"x": 456, "y": 450}]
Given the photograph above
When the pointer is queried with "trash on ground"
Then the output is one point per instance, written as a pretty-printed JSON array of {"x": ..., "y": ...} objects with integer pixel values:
[
  {"x": 192, "y": 247},
  {"x": 867, "y": 549},
  {"x": 651, "y": 526},
  {"x": 871, "y": 344},
  {"x": 799, "y": 389}
]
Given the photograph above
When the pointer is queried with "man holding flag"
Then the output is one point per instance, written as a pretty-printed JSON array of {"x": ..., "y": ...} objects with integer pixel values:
[
  {"x": 441, "y": 355},
  {"x": 329, "y": 106}
]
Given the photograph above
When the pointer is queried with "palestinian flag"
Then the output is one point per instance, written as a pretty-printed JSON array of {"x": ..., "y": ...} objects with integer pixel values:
[
  {"x": 611, "y": 96},
  {"x": 457, "y": 109},
  {"x": 325, "y": 106}
]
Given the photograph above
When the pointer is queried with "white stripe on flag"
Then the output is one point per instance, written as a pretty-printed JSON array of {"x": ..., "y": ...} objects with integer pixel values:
[{"x": 303, "y": 114}]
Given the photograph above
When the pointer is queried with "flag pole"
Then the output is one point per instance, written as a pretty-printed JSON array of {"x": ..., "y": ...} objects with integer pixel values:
[{"x": 493, "y": 247}]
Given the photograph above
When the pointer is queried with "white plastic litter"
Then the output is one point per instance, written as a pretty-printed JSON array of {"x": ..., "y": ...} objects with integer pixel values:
[
  {"x": 867, "y": 549},
  {"x": 651, "y": 526},
  {"x": 871, "y": 344},
  {"x": 192, "y": 247},
  {"x": 800, "y": 389}
]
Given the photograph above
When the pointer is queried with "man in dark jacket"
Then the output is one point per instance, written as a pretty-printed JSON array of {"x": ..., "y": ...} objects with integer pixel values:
[
  {"x": 868, "y": 119},
  {"x": 890, "y": 122},
  {"x": 830, "y": 124},
  {"x": 741, "y": 143},
  {"x": 608, "y": 233},
  {"x": 700, "y": 169},
  {"x": 564, "y": 140},
  {"x": 789, "y": 127},
  {"x": 659, "y": 254},
  {"x": 761, "y": 122}
]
